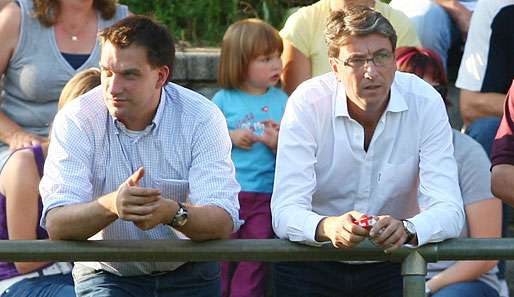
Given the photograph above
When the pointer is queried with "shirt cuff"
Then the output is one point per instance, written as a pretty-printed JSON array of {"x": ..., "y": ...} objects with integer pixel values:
[
  {"x": 423, "y": 232},
  {"x": 309, "y": 230}
]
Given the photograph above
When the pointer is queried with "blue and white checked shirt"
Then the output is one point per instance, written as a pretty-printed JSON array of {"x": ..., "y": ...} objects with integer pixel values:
[{"x": 185, "y": 152}]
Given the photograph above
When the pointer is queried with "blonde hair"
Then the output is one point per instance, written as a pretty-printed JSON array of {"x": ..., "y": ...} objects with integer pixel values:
[
  {"x": 79, "y": 84},
  {"x": 244, "y": 41},
  {"x": 47, "y": 11}
]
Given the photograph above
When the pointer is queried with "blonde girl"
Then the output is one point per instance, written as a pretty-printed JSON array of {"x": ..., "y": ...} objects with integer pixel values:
[{"x": 250, "y": 67}]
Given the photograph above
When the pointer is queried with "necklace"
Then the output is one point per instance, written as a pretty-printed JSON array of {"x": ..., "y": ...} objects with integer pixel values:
[{"x": 74, "y": 36}]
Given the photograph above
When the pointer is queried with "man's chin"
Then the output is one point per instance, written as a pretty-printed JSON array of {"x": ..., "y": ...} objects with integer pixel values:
[
  {"x": 373, "y": 95},
  {"x": 115, "y": 111}
]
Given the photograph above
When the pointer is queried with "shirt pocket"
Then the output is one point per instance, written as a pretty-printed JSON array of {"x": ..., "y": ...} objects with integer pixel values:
[
  {"x": 174, "y": 189},
  {"x": 398, "y": 179}
]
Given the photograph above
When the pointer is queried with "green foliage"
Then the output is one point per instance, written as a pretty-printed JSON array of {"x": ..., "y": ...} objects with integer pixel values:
[{"x": 203, "y": 22}]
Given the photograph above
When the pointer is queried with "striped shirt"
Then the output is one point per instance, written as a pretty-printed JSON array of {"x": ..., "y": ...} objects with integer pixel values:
[{"x": 185, "y": 152}]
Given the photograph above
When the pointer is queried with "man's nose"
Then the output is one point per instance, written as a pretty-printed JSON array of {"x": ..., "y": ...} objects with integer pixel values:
[
  {"x": 115, "y": 85},
  {"x": 370, "y": 69}
]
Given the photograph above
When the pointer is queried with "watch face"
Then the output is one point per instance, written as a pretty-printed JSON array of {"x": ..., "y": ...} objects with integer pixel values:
[
  {"x": 180, "y": 218},
  {"x": 409, "y": 228}
]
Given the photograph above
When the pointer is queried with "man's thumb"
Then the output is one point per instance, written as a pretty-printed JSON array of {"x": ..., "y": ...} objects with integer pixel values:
[{"x": 134, "y": 179}]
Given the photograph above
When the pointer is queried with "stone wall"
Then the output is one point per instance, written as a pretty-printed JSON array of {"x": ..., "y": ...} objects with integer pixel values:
[{"x": 197, "y": 69}]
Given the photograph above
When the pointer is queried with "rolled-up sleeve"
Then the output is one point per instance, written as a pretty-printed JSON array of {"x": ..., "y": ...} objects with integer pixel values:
[
  {"x": 442, "y": 213},
  {"x": 67, "y": 172},
  {"x": 212, "y": 174}
]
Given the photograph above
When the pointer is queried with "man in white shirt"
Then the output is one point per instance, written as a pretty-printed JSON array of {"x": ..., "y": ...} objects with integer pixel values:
[{"x": 363, "y": 139}]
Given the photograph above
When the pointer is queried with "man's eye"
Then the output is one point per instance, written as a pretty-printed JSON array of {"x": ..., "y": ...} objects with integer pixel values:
[
  {"x": 382, "y": 56},
  {"x": 357, "y": 61}
]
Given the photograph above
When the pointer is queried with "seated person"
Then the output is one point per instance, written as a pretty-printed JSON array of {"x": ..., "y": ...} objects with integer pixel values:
[
  {"x": 364, "y": 139},
  {"x": 20, "y": 212},
  {"x": 483, "y": 211},
  {"x": 440, "y": 24},
  {"x": 140, "y": 158},
  {"x": 305, "y": 50},
  {"x": 487, "y": 69},
  {"x": 502, "y": 155},
  {"x": 43, "y": 44}
]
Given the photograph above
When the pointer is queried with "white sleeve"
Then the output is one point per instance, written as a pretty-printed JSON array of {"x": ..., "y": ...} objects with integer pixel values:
[
  {"x": 441, "y": 209},
  {"x": 476, "y": 51},
  {"x": 295, "y": 177}
]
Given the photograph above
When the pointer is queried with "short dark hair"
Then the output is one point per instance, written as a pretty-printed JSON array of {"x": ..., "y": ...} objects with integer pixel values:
[
  {"x": 143, "y": 31},
  {"x": 356, "y": 21}
]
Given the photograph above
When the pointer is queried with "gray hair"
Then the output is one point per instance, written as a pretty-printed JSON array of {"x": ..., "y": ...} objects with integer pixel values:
[{"x": 356, "y": 21}]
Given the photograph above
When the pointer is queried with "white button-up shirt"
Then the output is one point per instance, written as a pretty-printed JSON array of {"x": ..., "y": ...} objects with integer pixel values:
[{"x": 408, "y": 172}]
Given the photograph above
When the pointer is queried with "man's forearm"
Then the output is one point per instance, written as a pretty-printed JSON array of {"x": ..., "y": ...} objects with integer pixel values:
[
  {"x": 502, "y": 178},
  {"x": 207, "y": 222},
  {"x": 80, "y": 221},
  {"x": 475, "y": 105}
]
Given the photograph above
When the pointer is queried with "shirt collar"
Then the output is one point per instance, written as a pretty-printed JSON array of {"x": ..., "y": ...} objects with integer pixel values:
[
  {"x": 157, "y": 119},
  {"x": 396, "y": 103}
]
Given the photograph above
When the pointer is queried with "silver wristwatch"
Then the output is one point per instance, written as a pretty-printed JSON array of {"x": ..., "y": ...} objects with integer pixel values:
[
  {"x": 409, "y": 228},
  {"x": 180, "y": 218}
]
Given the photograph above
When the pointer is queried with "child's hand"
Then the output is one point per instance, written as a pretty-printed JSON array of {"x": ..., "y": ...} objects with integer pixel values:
[
  {"x": 270, "y": 135},
  {"x": 243, "y": 138}
]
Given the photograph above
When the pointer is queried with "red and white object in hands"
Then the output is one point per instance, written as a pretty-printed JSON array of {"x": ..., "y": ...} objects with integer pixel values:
[{"x": 366, "y": 221}]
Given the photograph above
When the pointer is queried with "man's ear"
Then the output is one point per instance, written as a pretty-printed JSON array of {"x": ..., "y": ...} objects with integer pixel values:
[
  {"x": 333, "y": 65},
  {"x": 164, "y": 73}
]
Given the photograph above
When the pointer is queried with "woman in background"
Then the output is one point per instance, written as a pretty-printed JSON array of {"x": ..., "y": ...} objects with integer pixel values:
[
  {"x": 305, "y": 50},
  {"x": 44, "y": 44}
]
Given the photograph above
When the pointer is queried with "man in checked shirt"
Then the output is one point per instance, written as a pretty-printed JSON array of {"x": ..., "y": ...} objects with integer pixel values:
[{"x": 140, "y": 158}]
